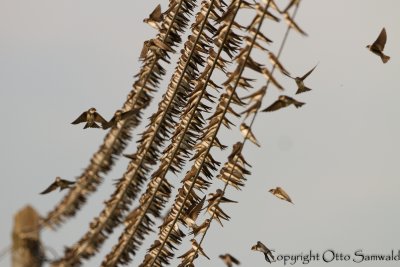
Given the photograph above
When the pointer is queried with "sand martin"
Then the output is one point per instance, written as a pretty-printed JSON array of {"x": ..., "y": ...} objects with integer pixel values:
[
  {"x": 378, "y": 46},
  {"x": 201, "y": 228},
  {"x": 246, "y": 132},
  {"x": 229, "y": 260},
  {"x": 262, "y": 248},
  {"x": 283, "y": 101},
  {"x": 58, "y": 183},
  {"x": 154, "y": 18},
  {"x": 301, "y": 88},
  {"x": 90, "y": 117},
  {"x": 280, "y": 193},
  {"x": 119, "y": 116}
]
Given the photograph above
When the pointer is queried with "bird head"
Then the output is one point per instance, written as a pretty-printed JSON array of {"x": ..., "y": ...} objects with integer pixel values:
[
  {"x": 92, "y": 110},
  {"x": 58, "y": 178},
  {"x": 271, "y": 191},
  {"x": 254, "y": 247},
  {"x": 368, "y": 46}
]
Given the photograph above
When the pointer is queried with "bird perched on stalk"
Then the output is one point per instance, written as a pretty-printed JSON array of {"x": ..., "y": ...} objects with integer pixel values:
[
  {"x": 58, "y": 183},
  {"x": 90, "y": 117},
  {"x": 378, "y": 46}
]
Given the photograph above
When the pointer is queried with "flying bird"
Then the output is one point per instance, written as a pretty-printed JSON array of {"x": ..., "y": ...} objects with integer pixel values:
[
  {"x": 155, "y": 45},
  {"x": 119, "y": 116},
  {"x": 280, "y": 193},
  {"x": 262, "y": 248},
  {"x": 58, "y": 183},
  {"x": 201, "y": 228},
  {"x": 219, "y": 196},
  {"x": 154, "y": 18},
  {"x": 378, "y": 46},
  {"x": 229, "y": 260},
  {"x": 301, "y": 88},
  {"x": 90, "y": 117},
  {"x": 247, "y": 133},
  {"x": 282, "y": 102}
]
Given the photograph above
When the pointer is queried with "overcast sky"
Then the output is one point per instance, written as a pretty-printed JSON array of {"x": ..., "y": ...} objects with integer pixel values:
[{"x": 337, "y": 156}]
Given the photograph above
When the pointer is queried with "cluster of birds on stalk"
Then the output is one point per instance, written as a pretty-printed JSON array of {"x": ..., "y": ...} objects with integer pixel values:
[{"x": 92, "y": 119}]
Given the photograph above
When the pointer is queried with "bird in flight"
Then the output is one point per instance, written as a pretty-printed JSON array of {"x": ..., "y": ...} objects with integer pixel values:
[
  {"x": 154, "y": 18},
  {"x": 229, "y": 260},
  {"x": 301, "y": 88},
  {"x": 58, "y": 183},
  {"x": 119, "y": 116},
  {"x": 280, "y": 193},
  {"x": 262, "y": 248},
  {"x": 90, "y": 117},
  {"x": 282, "y": 102},
  {"x": 378, "y": 46}
]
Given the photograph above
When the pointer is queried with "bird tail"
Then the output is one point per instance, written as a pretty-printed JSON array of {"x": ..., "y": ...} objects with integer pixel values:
[
  {"x": 385, "y": 58},
  {"x": 302, "y": 90},
  {"x": 298, "y": 104}
]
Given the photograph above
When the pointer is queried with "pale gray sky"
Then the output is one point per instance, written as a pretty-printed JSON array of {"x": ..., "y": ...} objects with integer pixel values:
[{"x": 337, "y": 156}]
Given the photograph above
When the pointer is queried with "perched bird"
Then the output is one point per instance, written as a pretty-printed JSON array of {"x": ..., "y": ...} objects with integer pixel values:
[
  {"x": 229, "y": 260},
  {"x": 280, "y": 193},
  {"x": 193, "y": 212},
  {"x": 119, "y": 116},
  {"x": 196, "y": 246},
  {"x": 201, "y": 228},
  {"x": 378, "y": 46},
  {"x": 289, "y": 6},
  {"x": 247, "y": 133},
  {"x": 301, "y": 88},
  {"x": 283, "y": 101},
  {"x": 262, "y": 248},
  {"x": 58, "y": 183},
  {"x": 90, "y": 117},
  {"x": 219, "y": 196},
  {"x": 274, "y": 60},
  {"x": 154, "y": 18},
  {"x": 292, "y": 24},
  {"x": 155, "y": 45}
]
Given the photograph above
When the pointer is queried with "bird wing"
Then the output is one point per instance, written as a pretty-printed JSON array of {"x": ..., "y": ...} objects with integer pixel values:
[
  {"x": 380, "y": 41},
  {"x": 81, "y": 118},
  {"x": 99, "y": 118},
  {"x": 51, "y": 187},
  {"x": 143, "y": 53},
  {"x": 195, "y": 210},
  {"x": 156, "y": 14},
  {"x": 308, "y": 73},
  {"x": 283, "y": 193},
  {"x": 278, "y": 104},
  {"x": 109, "y": 123},
  {"x": 234, "y": 260},
  {"x": 129, "y": 113}
]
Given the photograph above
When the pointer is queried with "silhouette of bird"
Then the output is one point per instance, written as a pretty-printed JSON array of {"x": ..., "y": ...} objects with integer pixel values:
[
  {"x": 119, "y": 116},
  {"x": 282, "y": 102},
  {"x": 58, "y": 183},
  {"x": 90, "y": 117},
  {"x": 280, "y": 193},
  {"x": 155, "y": 17},
  {"x": 301, "y": 88},
  {"x": 229, "y": 260},
  {"x": 246, "y": 132},
  {"x": 379, "y": 45},
  {"x": 262, "y": 248}
]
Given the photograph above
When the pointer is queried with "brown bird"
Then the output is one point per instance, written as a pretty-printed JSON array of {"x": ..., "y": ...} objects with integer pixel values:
[
  {"x": 90, "y": 117},
  {"x": 201, "y": 228},
  {"x": 262, "y": 248},
  {"x": 378, "y": 46},
  {"x": 247, "y": 133},
  {"x": 301, "y": 88},
  {"x": 155, "y": 45},
  {"x": 154, "y": 18},
  {"x": 218, "y": 196},
  {"x": 193, "y": 212},
  {"x": 119, "y": 116},
  {"x": 283, "y": 101},
  {"x": 274, "y": 60},
  {"x": 292, "y": 24},
  {"x": 58, "y": 183},
  {"x": 229, "y": 260},
  {"x": 280, "y": 193}
]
